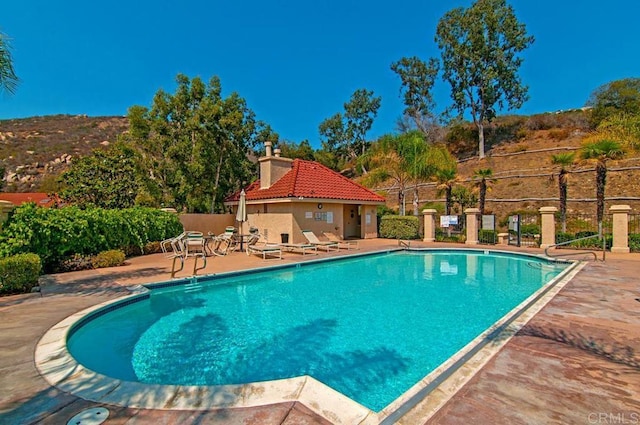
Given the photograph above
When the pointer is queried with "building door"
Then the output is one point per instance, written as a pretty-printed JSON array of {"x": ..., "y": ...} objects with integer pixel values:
[{"x": 351, "y": 221}]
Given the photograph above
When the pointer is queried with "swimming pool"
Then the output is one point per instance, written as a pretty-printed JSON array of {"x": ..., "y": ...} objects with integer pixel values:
[{"x": 369, "y": 326}]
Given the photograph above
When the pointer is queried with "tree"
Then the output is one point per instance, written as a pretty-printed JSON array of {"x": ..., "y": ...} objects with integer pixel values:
[
  {"x": 564, "y": 160},
  {"x": 624, "y": 127},
  {"x": 428, "y": 160},
  {"x": 484, "y": 178},
  {"x": 107, "y": 179},
  {"x": 195, "y": 143},
  {"x": 405, "y": 158},
  {"x": 293, "y": 150},
  {"x": 8, "y": 78},
  {"x": 613, "y": 98},
  {"x": 601, "y": 151},
  {"x": 345, "y": 134},
  {"x": 479, "y": 48},
  {"x": 446, "y": 179},
  {"x": 418, "y": 79},
  {"x": 464, "y": 197}
]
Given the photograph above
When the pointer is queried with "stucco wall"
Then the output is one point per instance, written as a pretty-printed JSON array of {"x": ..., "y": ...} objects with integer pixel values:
[
  {"x": 307, "y": 216},
  {"x": 205, "y": 223},
  {"x": 271, "y": 225},
  {"x": 369, "y": 230},
  {"x": 273, "y": 219}
]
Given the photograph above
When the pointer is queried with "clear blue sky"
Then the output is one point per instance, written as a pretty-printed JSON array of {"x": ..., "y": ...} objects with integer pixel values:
[{"x": 295, "y": 62}]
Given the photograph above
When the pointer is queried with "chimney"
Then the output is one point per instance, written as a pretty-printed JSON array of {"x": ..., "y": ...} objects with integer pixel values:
[{"x": 272, "y": 168}]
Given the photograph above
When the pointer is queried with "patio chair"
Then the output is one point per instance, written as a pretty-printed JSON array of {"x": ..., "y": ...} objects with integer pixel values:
[
  {"x": 224, "y": 243},
  {"x": 255, "y": 246},
  {"x": 167, "y": 244},
  {"x": 313, "y": 239},
  {"x": 193, "y": 245},
  {"x": 342, "y": 243},
  {"x": 173, "y": 248}
]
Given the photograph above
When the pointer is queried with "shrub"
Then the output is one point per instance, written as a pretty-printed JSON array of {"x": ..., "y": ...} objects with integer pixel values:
[
  {"x": 19, "y": 273},
  {"x": 57, "y": 235},
  {"x": 399, "y": 227},
  {"x": 74, "y": 263},
  {"x": 559, "y": 134},
  {"x": 383, "y": 210},
  {"x": 442, "y": 236},
  {"x": 111, "y": 258},
  {"x": 564, "y": 237},
  {"x": 584, "y": 234},
  {"x": 634, "y": 242},
  {"x": 529, "y": 229}
]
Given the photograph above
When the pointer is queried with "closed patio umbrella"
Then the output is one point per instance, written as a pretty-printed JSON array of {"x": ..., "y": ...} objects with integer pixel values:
[{"x": 241, "y": 215}]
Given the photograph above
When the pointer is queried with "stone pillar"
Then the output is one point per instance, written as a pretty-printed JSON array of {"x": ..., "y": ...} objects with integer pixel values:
[
  {"x": 472, "y": 225},
  {"x": 620, "y": 228},
  {"x": 429, "y": 225},
  {"x": 547, "y": 226},
  {"x": 5, "y": 208}
]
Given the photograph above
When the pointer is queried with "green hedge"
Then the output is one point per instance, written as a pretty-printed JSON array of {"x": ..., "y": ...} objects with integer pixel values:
[
  {"x": 19, "y": 273},
  {"x": 58, "y": 234},
  {"x": 634, "y": 242},
  {"x": 443, "y": 236},
  {"x": 399, "y": 227}
]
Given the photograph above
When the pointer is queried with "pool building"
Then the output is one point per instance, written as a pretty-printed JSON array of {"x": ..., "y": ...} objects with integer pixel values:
[{"x": 293, "y": 195}]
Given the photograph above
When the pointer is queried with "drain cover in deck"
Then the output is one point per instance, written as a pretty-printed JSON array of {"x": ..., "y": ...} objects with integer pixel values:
[{"x": 94, "y": 416}]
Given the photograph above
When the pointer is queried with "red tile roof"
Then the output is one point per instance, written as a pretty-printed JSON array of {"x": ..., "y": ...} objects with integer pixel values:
[
  {"x": 41, "y": 199},
  {"x": 309, "y": 179}
]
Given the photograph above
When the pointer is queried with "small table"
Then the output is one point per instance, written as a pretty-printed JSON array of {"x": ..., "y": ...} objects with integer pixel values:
[{"x": 242, "y": 238}]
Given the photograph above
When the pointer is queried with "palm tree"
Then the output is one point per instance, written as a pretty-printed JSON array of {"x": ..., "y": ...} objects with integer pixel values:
[
  {"x": 428, "y": 161},
  {"x": 601, "y": 151},
  {"x": 404, "y": 159},
  {"x": 8, "y": 78},
  {"x": 484, "y": 178},
  {"x": 447, "y": 178},
  {"x": 564, "y": 160},
  {"x": 386, "y": 163}
]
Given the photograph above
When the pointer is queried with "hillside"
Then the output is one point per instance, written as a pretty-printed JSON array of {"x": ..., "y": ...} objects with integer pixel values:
[
  {"x": 525, "y": 178},
  {"x": 34, "y": 150}
]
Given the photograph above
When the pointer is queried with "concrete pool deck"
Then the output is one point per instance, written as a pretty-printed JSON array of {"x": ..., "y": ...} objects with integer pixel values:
[{"x": 576, "y": 361}]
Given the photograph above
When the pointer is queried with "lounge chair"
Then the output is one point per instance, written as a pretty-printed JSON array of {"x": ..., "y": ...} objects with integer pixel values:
[
  {"x": 344, "y": 244},
  {"x": 255, "y": 246},
  {"x": 302, "y": 248},
  {"x": 313, "y": 239}
]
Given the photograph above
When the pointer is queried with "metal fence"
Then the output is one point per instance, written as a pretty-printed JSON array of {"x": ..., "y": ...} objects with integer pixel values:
[
  {"x": 634, "y": 224},
  {"x": 487, "y": 233},
  {"x": 579, "y": 226},
  {"x": 584, "y": 224},
  {"x": 450, "y": 228},
  {"x": 524, "y": 230}
]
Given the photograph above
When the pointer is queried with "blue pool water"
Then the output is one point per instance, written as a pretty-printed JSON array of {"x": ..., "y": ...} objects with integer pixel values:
[{"x": 370, "y": 327}]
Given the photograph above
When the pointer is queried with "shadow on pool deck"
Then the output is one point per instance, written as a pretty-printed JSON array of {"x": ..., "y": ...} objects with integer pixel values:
[{"x": 577, "y": 361}]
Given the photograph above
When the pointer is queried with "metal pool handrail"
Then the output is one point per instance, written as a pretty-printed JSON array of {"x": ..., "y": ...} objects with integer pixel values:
[{"x": 581, "y": 251}]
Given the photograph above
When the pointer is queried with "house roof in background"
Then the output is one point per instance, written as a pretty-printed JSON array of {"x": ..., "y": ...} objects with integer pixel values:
[
  {"x": 310, "y": 179},
  {"x": 41, "y": 199}
]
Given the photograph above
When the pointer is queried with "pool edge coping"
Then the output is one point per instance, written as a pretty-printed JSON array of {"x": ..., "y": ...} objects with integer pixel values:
[{"x": 56, "y": 365}]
